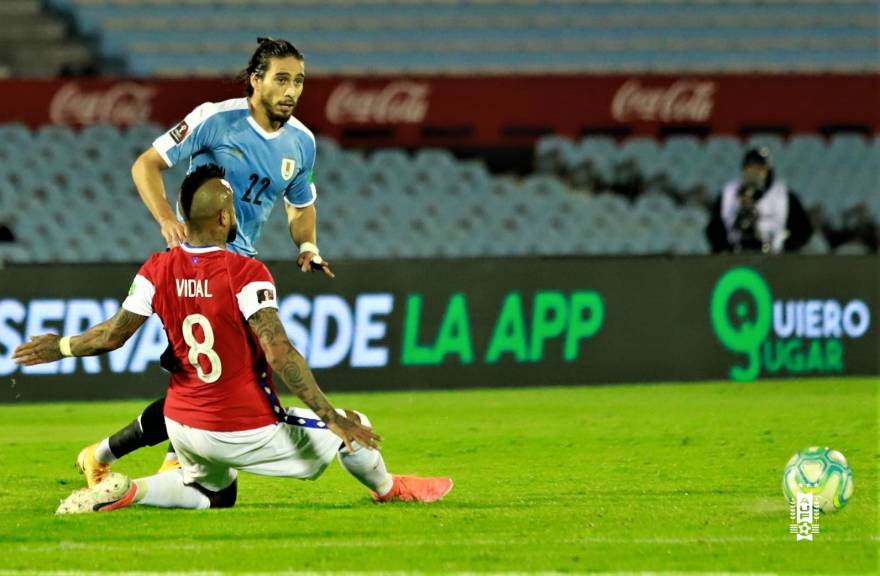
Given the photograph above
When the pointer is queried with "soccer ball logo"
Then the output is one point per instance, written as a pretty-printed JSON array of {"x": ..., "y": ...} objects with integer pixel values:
[{"x": 823, "y": 472}]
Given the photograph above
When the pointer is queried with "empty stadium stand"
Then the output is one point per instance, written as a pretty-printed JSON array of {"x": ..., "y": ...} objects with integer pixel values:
[
  {"x": 35, "y": 43},
  {"x": 835, "y": 175},
  {"x": 211, "y": 37},
  {"x": 67, "y": 196}
]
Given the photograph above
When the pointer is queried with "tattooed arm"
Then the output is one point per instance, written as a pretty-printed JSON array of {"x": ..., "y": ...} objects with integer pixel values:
[
  {"x": 292, "y": 367},
  {"x": 104, "y": 337},
  {"x": 288, "y": 363},
  {"x": 108, "y": 335}
]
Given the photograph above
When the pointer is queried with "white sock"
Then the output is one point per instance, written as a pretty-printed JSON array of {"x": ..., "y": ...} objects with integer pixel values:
[
  {"x": 167, "y": 490},
  {"x": 367, "y": 465},
  {"x": 103, "y": 453}
]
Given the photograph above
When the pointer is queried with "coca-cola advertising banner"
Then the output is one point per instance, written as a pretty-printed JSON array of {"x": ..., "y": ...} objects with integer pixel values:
[{"x": 480, "y": 111}]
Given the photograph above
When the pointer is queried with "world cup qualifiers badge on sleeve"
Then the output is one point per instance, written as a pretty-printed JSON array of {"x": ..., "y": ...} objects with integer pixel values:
[{"x": 179, "y": 132}]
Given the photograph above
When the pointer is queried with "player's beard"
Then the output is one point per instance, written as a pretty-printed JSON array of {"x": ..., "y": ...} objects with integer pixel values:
[
  {"x": 231, "y": 235},
  {"x": 274, "y": 114}
]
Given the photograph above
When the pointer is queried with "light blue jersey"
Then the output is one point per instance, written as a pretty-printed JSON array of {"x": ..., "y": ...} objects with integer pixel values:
[{"x": 259, "y": 165}]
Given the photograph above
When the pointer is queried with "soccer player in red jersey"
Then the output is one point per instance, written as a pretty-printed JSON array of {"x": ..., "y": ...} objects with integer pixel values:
[
  {"x": 222, "y": 413},
  {"x": 268, "y": 154}
]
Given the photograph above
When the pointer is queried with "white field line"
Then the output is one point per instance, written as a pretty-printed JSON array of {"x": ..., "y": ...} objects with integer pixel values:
[
  {"x": 375, "y": 573},
  {"x": 387, "y": 543}
]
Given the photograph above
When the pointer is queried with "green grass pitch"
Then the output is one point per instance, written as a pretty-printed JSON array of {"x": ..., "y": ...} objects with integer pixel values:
[{"x": 677, "y": 477}]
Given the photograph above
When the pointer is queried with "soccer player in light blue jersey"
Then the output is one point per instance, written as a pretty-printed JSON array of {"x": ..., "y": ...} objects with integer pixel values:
[
  {"x": 264, "y": 149},
  {"x": 266, "y": 153}
]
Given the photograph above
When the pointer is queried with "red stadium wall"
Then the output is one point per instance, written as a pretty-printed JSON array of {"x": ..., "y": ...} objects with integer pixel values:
[{"x": 482, "y": 111}]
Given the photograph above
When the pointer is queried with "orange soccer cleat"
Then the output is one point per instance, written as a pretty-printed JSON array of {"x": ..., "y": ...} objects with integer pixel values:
[
  {"x": 89, "y": 466},
  {"x": 415, "y": 489}
]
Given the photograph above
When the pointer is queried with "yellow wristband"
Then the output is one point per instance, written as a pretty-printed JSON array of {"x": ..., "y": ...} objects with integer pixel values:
[{"x": 64, "y": 344}]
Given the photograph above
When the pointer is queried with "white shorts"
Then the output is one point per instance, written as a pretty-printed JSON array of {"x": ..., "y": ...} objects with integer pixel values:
[{"x": 210, "y": 459}]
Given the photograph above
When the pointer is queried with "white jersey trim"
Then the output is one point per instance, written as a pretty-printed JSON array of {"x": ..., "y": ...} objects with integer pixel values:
[
  {"x": 200, "y": 114},
  {"x": 259, "y": 129},
  {"x": 187, "y": 247},
  {"x": 163, "y": 153},
  {"x": 256, "y": 296},
  {"x": 140, "y": 299}
]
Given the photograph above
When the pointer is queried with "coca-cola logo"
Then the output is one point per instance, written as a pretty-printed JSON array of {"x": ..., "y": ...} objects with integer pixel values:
[
  {"x": 681, "y": 101},
  {"x": 121, "y": 104},
  {"x": 398, "y": 102}
]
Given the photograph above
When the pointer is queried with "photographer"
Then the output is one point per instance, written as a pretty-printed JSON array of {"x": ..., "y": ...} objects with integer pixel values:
[{"x": 757, "y": 213}]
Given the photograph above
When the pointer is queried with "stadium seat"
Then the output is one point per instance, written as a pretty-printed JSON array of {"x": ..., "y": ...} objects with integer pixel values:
[
  {"x": 198, "y": 37},
  {"x": 81, "y": 206}
]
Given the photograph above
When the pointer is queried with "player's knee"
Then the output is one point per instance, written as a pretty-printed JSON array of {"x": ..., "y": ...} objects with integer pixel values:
[
  {"x": 221, "y": 499},
  {"x": 224, "y": 498},
  {"x": 358, "y": 417}
]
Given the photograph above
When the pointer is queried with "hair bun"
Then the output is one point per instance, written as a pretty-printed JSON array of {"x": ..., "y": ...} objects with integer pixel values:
[{"x": 264, "y": 39}]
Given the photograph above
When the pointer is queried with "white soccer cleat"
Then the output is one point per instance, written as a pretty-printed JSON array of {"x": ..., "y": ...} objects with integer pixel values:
[{"x": 114, "y": 492}]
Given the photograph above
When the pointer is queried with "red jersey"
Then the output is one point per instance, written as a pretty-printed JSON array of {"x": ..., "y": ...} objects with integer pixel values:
[{"x": 204, "y": 296}]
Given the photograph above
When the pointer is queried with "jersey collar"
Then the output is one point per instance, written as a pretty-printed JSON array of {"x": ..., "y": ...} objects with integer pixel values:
[
  {"x": 263, "y": 133},
  {"x": 187, "y": 247}
]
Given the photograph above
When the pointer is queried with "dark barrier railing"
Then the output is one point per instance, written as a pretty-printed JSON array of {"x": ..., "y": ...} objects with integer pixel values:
[{"x": 492, "y": 322}]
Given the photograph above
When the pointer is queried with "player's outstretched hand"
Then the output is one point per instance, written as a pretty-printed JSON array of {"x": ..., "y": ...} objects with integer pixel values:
[
  {"x": 309, "y": 261},
  {"x": 351, "y": 432},
  {"x": 40, "y": 350},
  {"x": 173, "y": 231}
]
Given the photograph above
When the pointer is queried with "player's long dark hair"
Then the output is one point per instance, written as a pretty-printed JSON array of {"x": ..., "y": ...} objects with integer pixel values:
[
  {"x": 194, "y": 181},
  {"x": 268, "y": 48}
]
